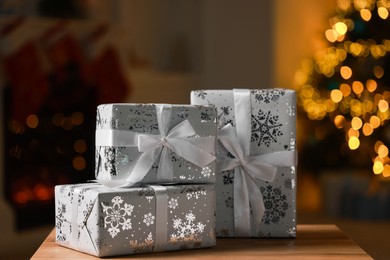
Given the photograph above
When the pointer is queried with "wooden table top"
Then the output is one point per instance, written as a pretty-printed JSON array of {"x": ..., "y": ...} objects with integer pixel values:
[{"x": 312, "y": 242}]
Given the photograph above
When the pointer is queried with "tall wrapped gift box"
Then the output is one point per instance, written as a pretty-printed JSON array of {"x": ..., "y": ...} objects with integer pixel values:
[
  {"x": 155, "y": 143},
  {"x": 256, "y": 183},
  {"x": 103, "y": 221}
]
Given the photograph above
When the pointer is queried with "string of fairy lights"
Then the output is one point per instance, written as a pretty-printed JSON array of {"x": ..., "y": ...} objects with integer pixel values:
[{"x": 356, "y": 106}]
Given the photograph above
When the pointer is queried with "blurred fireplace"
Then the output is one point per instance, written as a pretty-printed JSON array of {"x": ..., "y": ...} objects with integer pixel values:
[
  {"x": 49, "y": 148},
  {"x": 50, "y": 91},
  {"x": 49, "y": 131}
]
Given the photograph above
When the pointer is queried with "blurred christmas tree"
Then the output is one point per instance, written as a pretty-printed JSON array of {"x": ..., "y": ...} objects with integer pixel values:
[{"x": 345, "y": 91}]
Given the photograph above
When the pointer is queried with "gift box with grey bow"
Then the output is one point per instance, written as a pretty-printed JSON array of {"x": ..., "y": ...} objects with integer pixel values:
[
  {"x": 155, "y": 143},
  {"x": 102, "y": 221},
  {"x": 256, "y": 180}
]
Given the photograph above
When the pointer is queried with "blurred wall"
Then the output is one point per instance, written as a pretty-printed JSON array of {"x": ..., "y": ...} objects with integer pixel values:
[
  {"x": 238, "y": 44},
  {"x": 299, "y": 32},
  {"x": 206, "y": 44}
]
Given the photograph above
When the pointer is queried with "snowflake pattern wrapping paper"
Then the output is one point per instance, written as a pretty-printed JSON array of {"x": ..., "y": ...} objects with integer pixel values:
[
  {"x": 117, "y": 162},
  {"x": 272, "y": 129},
  {"x": 103, "y": 221}
]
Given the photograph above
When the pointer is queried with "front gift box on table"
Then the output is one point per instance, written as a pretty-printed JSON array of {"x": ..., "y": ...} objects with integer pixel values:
[
  {"x": 102, "y": 221},
  {"x": 256, "y": 180},
  {"x": 155, "y": 143}
]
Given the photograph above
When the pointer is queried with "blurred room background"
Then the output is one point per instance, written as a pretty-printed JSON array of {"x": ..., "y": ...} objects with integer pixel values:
[{"x": 60, "y": 59}]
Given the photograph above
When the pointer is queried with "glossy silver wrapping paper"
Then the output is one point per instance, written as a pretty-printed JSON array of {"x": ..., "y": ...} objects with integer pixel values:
[
  {"x": 273, "y": 129},
  {"x": 103, "y": 221},
  {"x": 113, "y": 162}
]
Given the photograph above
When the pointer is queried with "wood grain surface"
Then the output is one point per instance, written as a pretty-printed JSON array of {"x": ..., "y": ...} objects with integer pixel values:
[{"x": 312, "y": 242}]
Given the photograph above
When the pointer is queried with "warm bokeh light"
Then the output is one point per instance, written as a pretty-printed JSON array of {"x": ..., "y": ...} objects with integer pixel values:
[
  {"x": 336, "y": 95},
  {"x": 339, "y": 121},
  {"x": 345, "y": 72},
  {"x": 378, "y": 72},
  {"x": 354, "y": 48},
  {"x": 367, "y": 129},
  {"x": 377, "y": 51},
  {"x": 383, "y": 12},
  {"x": 341, "y": 28},
  {"x": 16, "y": 127},
  {"x": 331, "y": 35},
  {"x": 383, "y": 105},
  {"x": 344, "y": 4},
  {"x": 353, "y": 143},
  {"x": 67, "y": 124},
  {"x": 77, "y": 118},
  {"x": 353, "y": 132},
  {"x": 375, "y": 121},
  {"x": 356, "y": 123},
  {"x": 345, "y": 89},
  {"x": 32, "y": 121},
  {"x": 377, "y": 145},
  {"x": 386, "y": 171},
  {"x": 371, "y": 85},
  {"x": 365, "y": 14},
  {"x": 23, "y": 196},
  {"x": 357, "y": 87},
  {"x": 383, "y": 151},
  {"x": 79, "y": 163},
  {"x": 80, "y": 146},
  {"x": 42, "y": 192},
  {"x": 378, "y": 167},
  {"x": 360, "y": 4}
]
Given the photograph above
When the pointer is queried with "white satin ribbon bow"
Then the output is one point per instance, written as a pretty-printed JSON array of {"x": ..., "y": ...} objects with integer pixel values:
[{"x": 180, "y": 139}]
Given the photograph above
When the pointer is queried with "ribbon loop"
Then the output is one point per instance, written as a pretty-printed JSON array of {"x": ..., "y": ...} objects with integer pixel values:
[{"x": 147, "y": 142}]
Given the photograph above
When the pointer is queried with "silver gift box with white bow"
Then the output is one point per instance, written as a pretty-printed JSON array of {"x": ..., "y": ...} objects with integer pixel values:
[
  {"x": 257, "y": 158},
  {"x": 155, "y": 143}
]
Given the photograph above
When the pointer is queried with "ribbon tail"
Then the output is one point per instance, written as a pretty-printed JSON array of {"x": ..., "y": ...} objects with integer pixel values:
[
  {"x": 165, "y": 168},
  {"x": 143, "y": 165},
  {"x": 241, "y": 205},
  {"x": 257, "y": 204}
]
